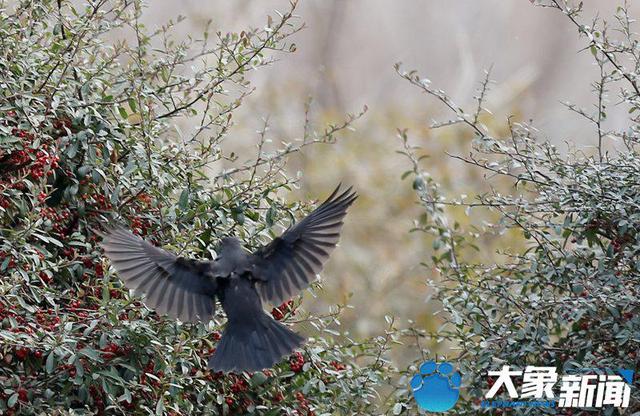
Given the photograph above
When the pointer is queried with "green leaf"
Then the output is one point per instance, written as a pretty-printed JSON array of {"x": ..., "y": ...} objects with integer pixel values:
[
  {"x": 258, "y": 379},
  {"x": 160, "y": 407},
  {"x": 91, "y": 154},
  {"x": 90, "y": 328},
  {"x": 418, "y": 183},
  {"x": 271, "y": 216},
  {"x": 126, "y": 396},
  {"x": 72, "y": 149},
  {"x": 9, "y": 139},
  {"x": 50, "y": 362},
  {"x": 183, "y": 202},
  {"x": 90, "y": 353},
  {"x": 132, "y": 105},
  {"x": 12, "y": 400},
  {"x": 5, "y": 263},
  {"x": 84, "y": 170}
]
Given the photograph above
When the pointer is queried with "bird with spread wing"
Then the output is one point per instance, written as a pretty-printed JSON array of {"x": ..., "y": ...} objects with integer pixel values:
[{"x": 187, "y": 289}]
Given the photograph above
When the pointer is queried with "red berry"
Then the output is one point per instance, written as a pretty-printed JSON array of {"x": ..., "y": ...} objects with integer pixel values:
[
  {"x": 338, "y": 366},
  {"x": 277, "y": 314},
  {"x": 22, "y": 394},
  {"x": 22, "y": 353},
  {"x": 45, "y": 277}
]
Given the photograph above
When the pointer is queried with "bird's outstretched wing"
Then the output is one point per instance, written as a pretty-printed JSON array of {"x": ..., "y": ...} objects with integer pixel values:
[
  {"x": 291, "y": 262},
  {"x": 172, "y": 285}
]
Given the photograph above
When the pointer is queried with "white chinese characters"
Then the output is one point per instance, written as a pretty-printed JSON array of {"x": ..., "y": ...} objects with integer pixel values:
[
  {"x": 593, "y": 391},
  {"x": 504, "y": 379},
  {"x": 576, "y": 390},
  {"x": 538, "y": 382}
]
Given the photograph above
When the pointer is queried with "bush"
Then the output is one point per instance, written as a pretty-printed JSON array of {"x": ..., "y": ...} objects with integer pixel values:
[
  {"x": 88, "y": 134},
  {"x": 571, "y": 297}
]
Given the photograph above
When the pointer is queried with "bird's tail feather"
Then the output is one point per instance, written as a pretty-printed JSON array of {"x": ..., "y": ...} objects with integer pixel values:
[{"x": 255, "y": 347}]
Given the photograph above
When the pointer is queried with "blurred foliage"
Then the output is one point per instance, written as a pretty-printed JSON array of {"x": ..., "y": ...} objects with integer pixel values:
[{"x": 570, "y": 297}]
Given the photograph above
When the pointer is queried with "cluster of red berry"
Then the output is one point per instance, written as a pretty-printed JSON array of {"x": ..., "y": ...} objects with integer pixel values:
[
  {"x": 296, "y": 362},
  {"x": 140, "y": 225},
  {"x": 245, "y": 403},
  {"x": 97, "y": 200},
  {"x": 11, "y": 263},
  {"x": 8, "y": 314},
  {"x": 149, "y": 369},
  {"x": 71, "y": 369},
  {"x": 59, "y": 217},
  {"x": 239, "y": 385},
  {"x": 38, "y": 160},
  {"x": 96, "y": 393},
  {"x": 113, "y": 350},
  {"x": 303, "y": 405},
  {"x": 229, "y": 401},
  {"x": 73, "y": 308},
  {"x": 211, "y": 375},
  {"x": 145, "y": 199},
  {"x": 47, "y": 319},
  {"x": 69, "y": 252},
  {"x": 278, "y": 397},
  {"x": 44, "y": 161},
  {"x": 337, "y": 366},
  {"x": 22, "y": 353},
  {"x": 99, "y": 270},
  {"x": 130, "y": 405},
  {"x": 280, "y": 312},
  {"x": 89, "y": 263},
  {"x": 30, "y": 159},
  {"x": 23, "y": 397},
  {"x": 62, "y": 125},
  {"x": 102, "y": 202}
]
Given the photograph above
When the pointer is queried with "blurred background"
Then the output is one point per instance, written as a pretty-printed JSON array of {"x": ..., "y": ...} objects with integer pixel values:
[{"x": 344, "y": 60}]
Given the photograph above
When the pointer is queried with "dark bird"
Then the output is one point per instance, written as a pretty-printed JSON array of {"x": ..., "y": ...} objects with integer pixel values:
[{"x": 187, "y": 289}]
